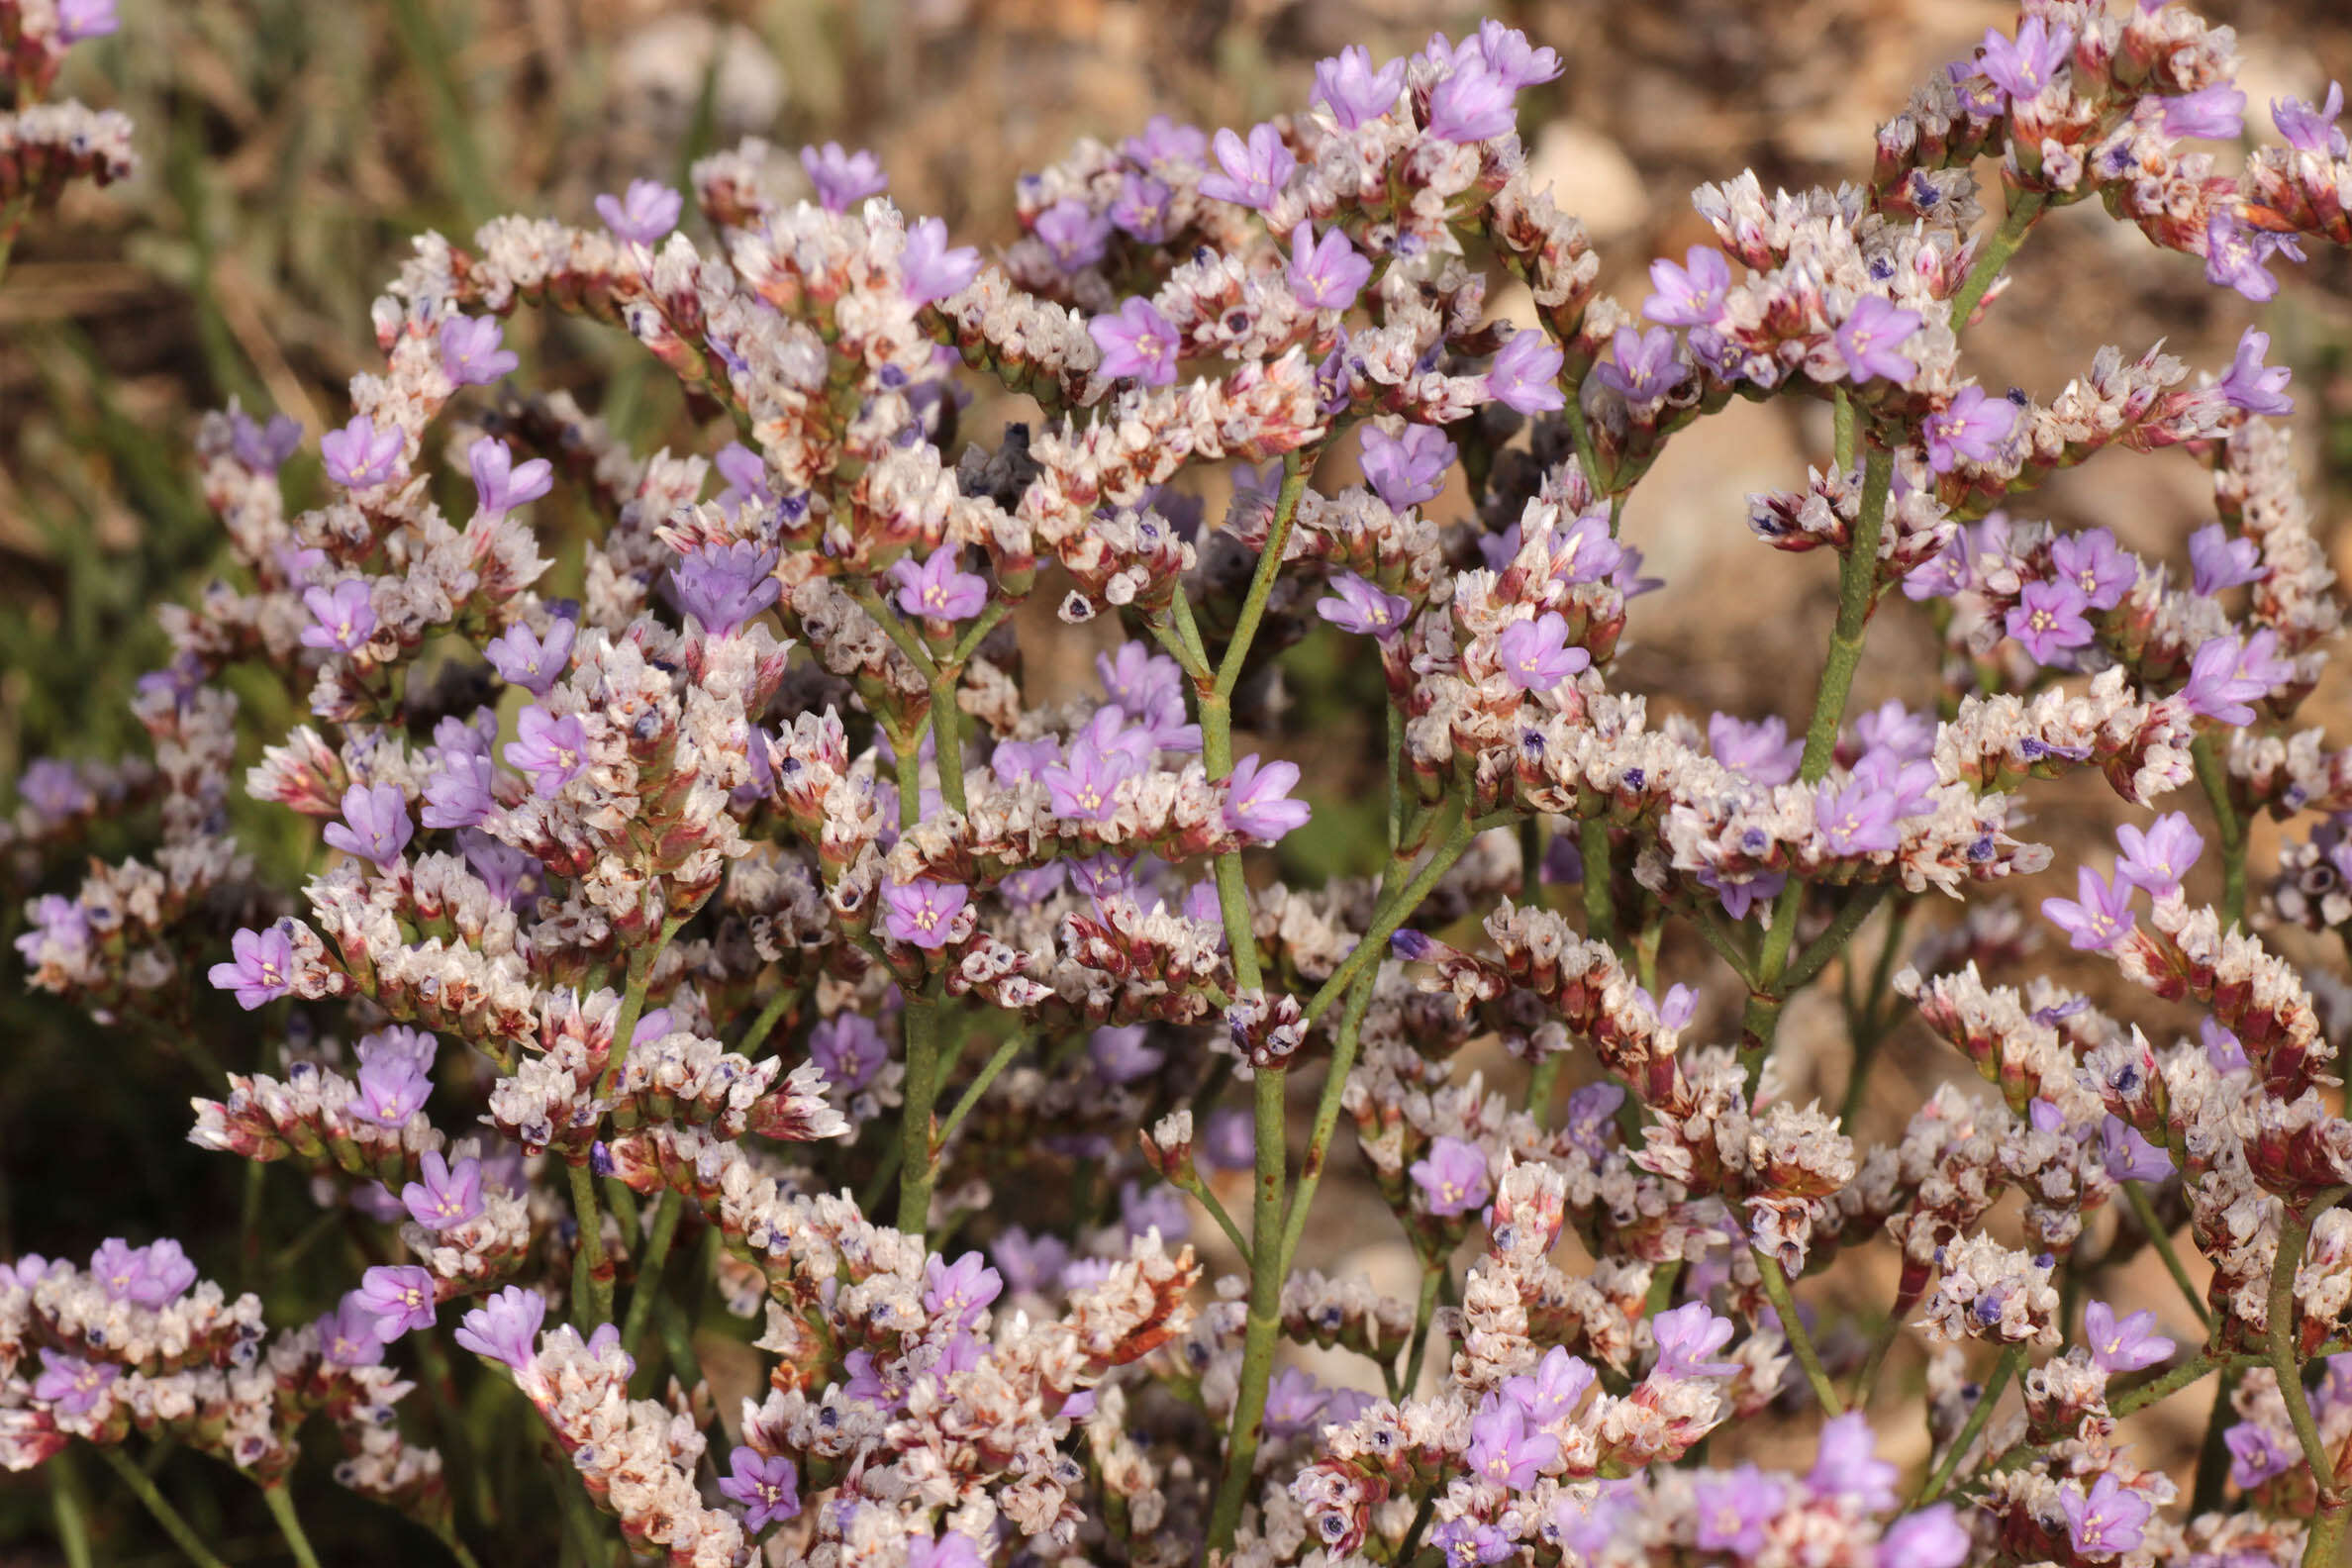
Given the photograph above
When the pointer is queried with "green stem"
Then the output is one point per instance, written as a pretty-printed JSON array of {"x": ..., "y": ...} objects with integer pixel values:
[
  {"x": 1368, "y": 953},
  {"x": 1869, "y": 1027},
  {"x": 2136, "y": 1196},
  {"x": 946, "y": 721},
  {"x": 1843, "y": 428},
  {"x": 68, "y": 1510},
  {"x": 2212, "y": 1454},
  {"x": 1842, "y": 925},
  {"x": 990, "y": 1070},
  {"x": 592, "y": 1271},
  {"x": 1432, "y": 1276},
  {"x": 451, "y": 1430},
  {"x": 449, "y": 1538},
  {"x": 1857, "y": 591},
  {"x": 2023, "y": 209},
  {"x": 281, "y": 1508},
  {"x": 2280, "y": 1339},
  {"x": 664, "y": 1230},
  {"x": 1994, "y": 1385},
  {"x": 1262, "y": 584},
  {"x": 756, "y": 1036},
  {"x": 1326, "y": 1118},
  {"x": 1540, "y": 1084},
  {"x": 2213, "y": 778},
  {"x": 182, "y": 1534},
  {"x": 1776, "y": 1286},
  {"x": 920, "y": 1024},
  {"x": 1189, "y": 1181},
  {"x": 1600, "y": 898}
]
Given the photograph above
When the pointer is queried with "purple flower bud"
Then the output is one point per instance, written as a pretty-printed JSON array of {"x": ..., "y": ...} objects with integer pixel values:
[
  {"x": 2106, "y": 1521},
  {"x": 2124, "y": 1346},
  {"x": 932, "y": 270},
  {"x": 1690, "y": 295},
  {"x": 505, "y": 1327},
  {"x": 1325, "y": 274},
  {"x": 2312, "y": 129},
  {"x": 2098, "y": 917},
  {"x": 375, "y": 824},
  {"x": 1524, "y": 375},
  {"x": 500, "y": 483},
  {"x": 1137, "y": 342},
  {"x": 2211, "y": 114},
  {"x": 1257, "y": 800},
  {"x": 360, "y": 456},
  {"x": 1510, "y": 56},
  {"x": 922, "y": 912},
  {"x": 725, "y": 585},
  {"x": 263, "y": 448},
  {"x": 2237, "y": 256},
  {"x": 2047, "y": 618},
  {"x": 1869, "y": 336},
  {"x": 401, "y": 1298},
  {"x": 342, "y": 617},
  {"x": 552, "y": 751},
  {"x": 2218, "y": 562},
  {"x": 1362, "y": 608},
  {"x": 71, "y": 1384},
  {"x": 263, "y": 969},
  {"x": 2022, "y": 67},
  {"x": 1452, "y": 1177},
  {"x": 471, "y": 351},
  {"x": 937, "y": 590},
  {"x": 1254, "y": 171},
  {"x": 768, "y": 1488},
  {"x": 2252, "y": 386},
  {"x": 1408, "y": 469},
  {"x": 1535, "y": 655},
  {"x": 1971, "y": 426},
  {"x": 1073, "y": 234},
  {"x": 1685, "y": 1336},
  {"x": 2096, "y": 565},
  {"x": 1355, "y": 93},
  {"x": 644, "y": 214},
  {"x": 843, "y": 177},
  {"x": 447, "y": 1197},
  {"x": 534, "y": 662},
  {"x": 1474, "y": 104}
]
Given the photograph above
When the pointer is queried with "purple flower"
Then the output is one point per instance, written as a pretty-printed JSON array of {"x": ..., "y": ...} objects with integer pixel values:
[
  {"x": 500, "y": 483},
  {"x": 848, "y": 1049},
  {"x": 1474, "y": 104},
  {"x": 2257, "y": 1453},
  {"x": 504, "y": 1326},
  {"x": 1734, "y": 1508},
  {"x": 1295, "y": 1402},
  {"x": 768, "y": 1488},
  {"x": 2124, "y": 1346},
  {"x": 348, "y": 1334},
  {"x": 648, "y": 211},
  {"x": 342, "y": 617},
  {"x": 1465, "y": 1541},
  {"x": 1165, "y": 145},
  {"x": 2313, "y": 130},
  {"x": 2217, "y": 563},
  {"x": 1525, "y": 375},
  {"x": 375, "y": 824},
  {"x": 1510, "y": 56},
  {"x": 843, "y": 177},
  {"x": 2215, "y": 688},
  {"x": 922, "y": 910},
  {"x": 2221, "y": 1044},
  {"x": 552, "y": 751},
  {"x": 1254, "y": 171},
  {"x": 1934, "y": 1537},
  {"x": 1645, "y": 368},
  {"x": 1687, "y": 1335},
  {"x": 1690, "y": 295},
  {"x": 949, "y": 1551},
  {"x": 1257, "y": 800},
  {"x": 959, "y": 1292},
  {"x": 401, "y": 1298},
  {"x": 360, "y": 456},
  {"x": 1452, "y": 1176},
  {"x": 2160, "y": 857},
  {"x": 937, "y": 590},
  {"x": 263, "y": 448},
  {"x": 1137, "y": 342},
  {"x": 2096, "y": 565},
  {"x": 1084, "y": 784},
  {"x": 1231, "y": 1141},
  {"x": 2237, "y": 258},
  {"x": 1971, "y": 426},
  {"x": 746, "y": 476},
  {"x": 2252, "y": 386},
  {"x": 85, "y": 19},
  {"x": 1122, "y": 1055},
  {"x": 2129, "y": 1157},
  {"x": 391, "y": 1090},
  {"x": 1501, "y": 1448},
  {"x": 458, "y": 792},
  {"x": 1535, "y": 654},
  {"x": 534, "y": 662},
  {"x": 447, "y": 1197},
  {"x": 54, "y": 789},
  {"x": 1325, "y": 274},
  {"x": 1029, "y": 1264},
  {"x": 1073, "y": 234},
  {"x": 263, "y": 969},
  {"x": 1362, "y": 608},
  {"x": 1858, "y": 818},
  {"x": 1849, "y": 1465},
  {"x": 1896, "y": 730},
  {"x": 1355, "y": 93},
  {"x": 1142, "y": 207},
  {"x": 471, "y": 351},
  {"x": 2107, "y": 1521},
  {"x": 1555, "y": 1388},
  {"x": 2209, "y": 114},
  {"x": 930, "y": 269},
  {"x": 1407, "y": 469},
  {"x": 71, "y": 1384},
  {"x": 2023, "y": 68},
  {"x": 1142, "y": 1211},
  {"x": 1869, "y": 336},
  {"x": 2098, "y": 917},
  {"x": 1762, "y": 750},
  {"x": 2048, "y": 618}
]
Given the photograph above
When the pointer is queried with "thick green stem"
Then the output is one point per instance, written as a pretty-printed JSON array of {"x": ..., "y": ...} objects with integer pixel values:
[
  {"x": 1776, "y": 1286},
  {"x": 2137, "y": 1198},
  {"x": 946, "y": 721},
  {"x": 2280, "y": 1339},
  {"x": 1842, "y": 429},
  {"x": 1269, "y": 566},
  {"x": 2213, "y": 778},
  {"x": 920, "y": 1024},
  {"x": 1542, "y": 1084},
  {"x": 281, "y": 1508},
  {"x": 182, "y": 1534},
  {"x": 2023, "y": 209},
  {"x": 664, "y": 1230},
  {"x": 1994, "y": 1385},
  {"x": 592, "y": 1271},
  {"x": 69, "y": 1511},
  {"x": 1600, "y": 897}
]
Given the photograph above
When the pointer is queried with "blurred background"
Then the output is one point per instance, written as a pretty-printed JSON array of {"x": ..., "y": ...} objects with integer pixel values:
[{"x": 290, "y": 151}]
